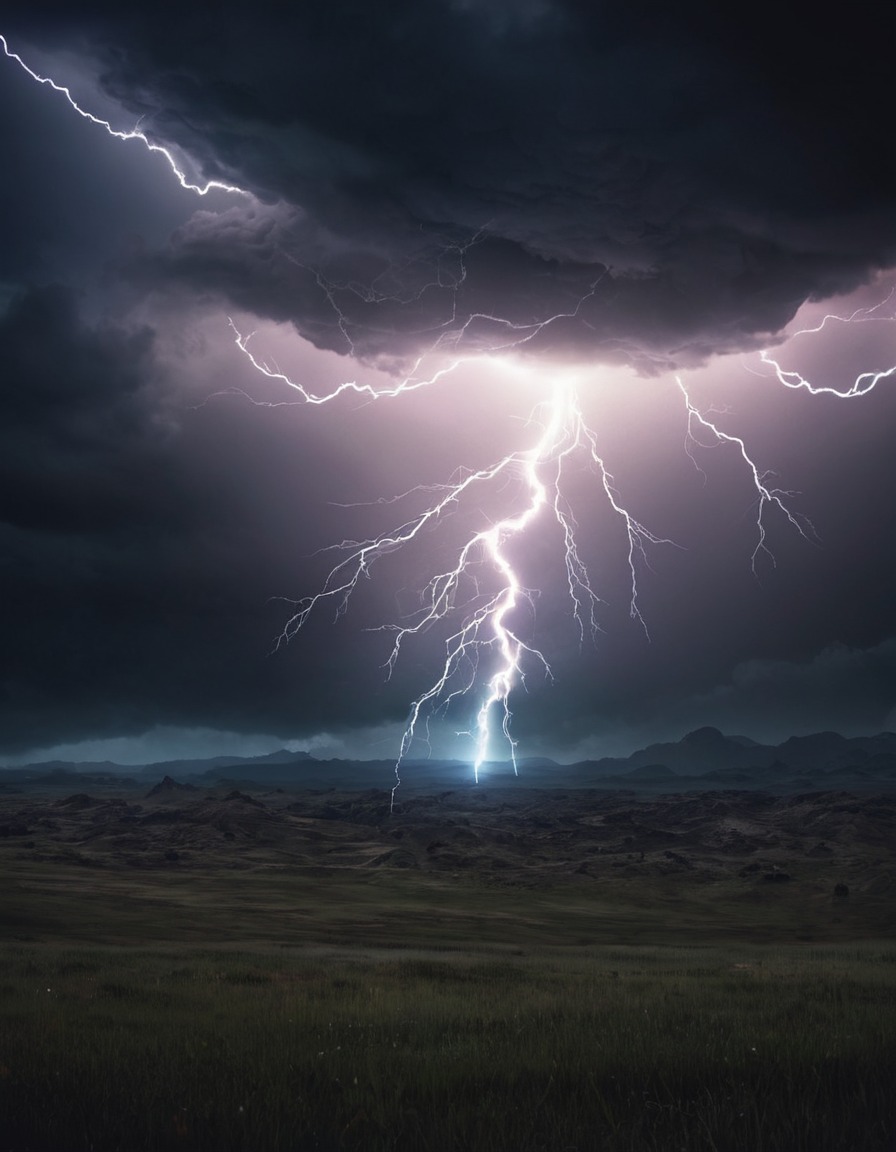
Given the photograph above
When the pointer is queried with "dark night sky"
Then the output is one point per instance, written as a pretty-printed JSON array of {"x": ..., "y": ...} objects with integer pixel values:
[{"x": 682, "y": 187}]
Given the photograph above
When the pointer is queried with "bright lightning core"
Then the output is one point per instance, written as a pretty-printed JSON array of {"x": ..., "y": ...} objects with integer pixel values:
[
  {"x": 480, "y": 598},
  {"x": 483, "y": 585}
]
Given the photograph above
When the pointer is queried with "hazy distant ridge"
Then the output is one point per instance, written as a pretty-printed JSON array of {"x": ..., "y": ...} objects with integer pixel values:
[{"x": 704, "y": 756}]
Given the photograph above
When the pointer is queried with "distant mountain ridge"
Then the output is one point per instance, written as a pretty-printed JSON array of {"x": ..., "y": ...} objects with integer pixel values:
[
  {"x": 709, "y": 750},
  {"x": 703, "y": 756}
]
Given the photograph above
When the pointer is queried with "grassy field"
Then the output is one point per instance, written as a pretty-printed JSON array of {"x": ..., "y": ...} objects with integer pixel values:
[
  {"x": 267, "y": 1012},
  {"x": 763, "y": 1048},
  {"x": 398, "y": 908}
]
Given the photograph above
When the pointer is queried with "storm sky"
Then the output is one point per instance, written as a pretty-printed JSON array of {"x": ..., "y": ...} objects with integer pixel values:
[{"x": 546, "y": 191}]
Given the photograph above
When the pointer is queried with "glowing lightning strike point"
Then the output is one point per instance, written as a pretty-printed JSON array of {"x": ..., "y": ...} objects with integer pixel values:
[{"x": 134, "y": 134}]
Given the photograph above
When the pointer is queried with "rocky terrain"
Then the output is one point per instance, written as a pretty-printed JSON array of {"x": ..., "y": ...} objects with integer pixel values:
[{"x": 507, "y": 836}]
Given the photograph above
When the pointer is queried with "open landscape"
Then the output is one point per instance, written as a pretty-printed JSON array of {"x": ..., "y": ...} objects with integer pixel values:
[
  {"x": 431, "y": 431},
  {"x": 481, "y": 967}
]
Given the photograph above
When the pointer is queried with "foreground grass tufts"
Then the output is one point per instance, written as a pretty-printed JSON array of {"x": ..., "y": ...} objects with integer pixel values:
[{"x": 721, "y": 1049}]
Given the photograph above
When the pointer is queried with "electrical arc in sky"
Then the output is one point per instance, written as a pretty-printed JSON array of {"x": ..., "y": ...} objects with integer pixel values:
[{"x": 133, "y": 134}]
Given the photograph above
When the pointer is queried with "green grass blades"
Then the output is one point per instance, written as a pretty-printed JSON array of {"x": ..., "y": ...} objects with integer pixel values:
[{"x": 719, "y": 1047}]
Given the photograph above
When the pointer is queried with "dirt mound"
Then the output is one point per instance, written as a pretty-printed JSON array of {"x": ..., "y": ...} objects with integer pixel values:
[
  {"x": 77, "y": 800},
  {"x": 243, "y": 798},
  {"x": 169, "y": 787}
]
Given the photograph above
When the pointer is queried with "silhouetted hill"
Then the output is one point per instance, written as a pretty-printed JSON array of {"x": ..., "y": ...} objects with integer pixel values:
[
  {"x": 831, "y": 750},
  {"x": 704, "y": 750},
  {"x": 168, "y": 787},
  {"x": 211, "y": 764}
]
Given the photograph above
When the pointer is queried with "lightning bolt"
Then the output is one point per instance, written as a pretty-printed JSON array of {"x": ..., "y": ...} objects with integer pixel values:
[
  {"x": 488, "y": 625},
  {"x": 483, "y": 588},
  {"x": 488, "y": 628},
  {"x": 488, "y": 631},
  {"x": 767, "y": 497},
  {"x": 564, "y": 434},
  {"x": 133, "y": 134},
  {"x": 865, "y": 381},
  {"x": 409, "y": 383},
  {"x": 770, "y": 498},
  {"x": 451, "y": 333}
]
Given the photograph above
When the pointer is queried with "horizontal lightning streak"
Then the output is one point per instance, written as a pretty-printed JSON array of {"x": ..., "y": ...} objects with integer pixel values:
[
  {"x": 451, "y": 337},
  {"x": 409, "y": 383},
  {"x": 865, "y": 381}
]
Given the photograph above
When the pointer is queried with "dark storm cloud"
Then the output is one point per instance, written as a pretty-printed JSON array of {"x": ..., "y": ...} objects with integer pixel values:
[
  {"x": 857, "y": 686},
  {"x": 138, "y": 552},
  {"x": 852, "y": 690},
  {"x": 75, "y": 415},
  {"x": 675, "y": 180}
]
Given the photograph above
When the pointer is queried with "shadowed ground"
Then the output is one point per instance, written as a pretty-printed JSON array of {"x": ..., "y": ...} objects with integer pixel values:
[{"x": 479, "y": 969}]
